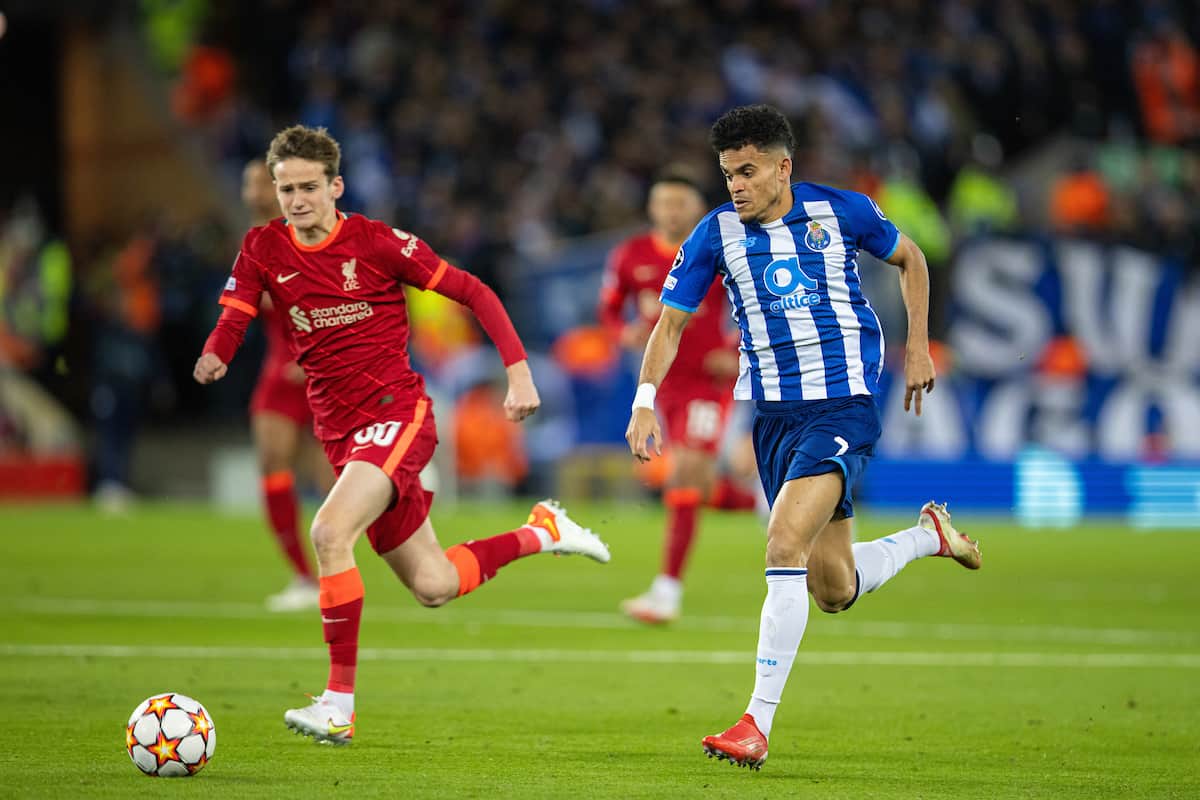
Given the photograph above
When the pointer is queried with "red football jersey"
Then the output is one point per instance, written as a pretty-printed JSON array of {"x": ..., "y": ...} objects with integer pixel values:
[
  {"x": 343, "y": 302},
  {"x": 278, "y": 352},
  {"x": 636, "y": 269}
]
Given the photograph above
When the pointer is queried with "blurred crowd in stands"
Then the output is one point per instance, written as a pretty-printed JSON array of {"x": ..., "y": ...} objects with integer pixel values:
[
  {"x": 497, "y": 129},
  {"x": 502, "y": 126}
]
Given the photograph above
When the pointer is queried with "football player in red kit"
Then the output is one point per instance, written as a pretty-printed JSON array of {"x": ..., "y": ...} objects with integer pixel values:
[
  {"x": 694, "y": 400},
  {"x": 280, "y": 418},
  {"x": 339, "y": 280}
]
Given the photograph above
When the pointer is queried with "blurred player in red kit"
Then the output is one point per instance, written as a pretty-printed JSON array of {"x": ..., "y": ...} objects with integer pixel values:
[
  {"x": 694, "y": 401},
  {"x": 279, "y": 418},
  {"x": 338, "y": 280}
]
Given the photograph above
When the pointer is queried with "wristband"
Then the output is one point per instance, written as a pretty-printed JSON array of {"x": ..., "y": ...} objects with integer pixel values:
[{"x": 645, "y": 396}]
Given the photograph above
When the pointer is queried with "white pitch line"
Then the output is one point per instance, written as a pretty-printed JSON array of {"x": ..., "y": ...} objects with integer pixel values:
[
  {"x": 462, "y": 655},
  {"x": 1060, "y": 634}
]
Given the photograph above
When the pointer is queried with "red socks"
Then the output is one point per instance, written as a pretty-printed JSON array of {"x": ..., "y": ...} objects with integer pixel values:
[
  {"x": 683, "y": 506},
  {"x": 341, "y": 612},
  {"x": 480, "y": 559},
  {"x": 279, "y": 497}
]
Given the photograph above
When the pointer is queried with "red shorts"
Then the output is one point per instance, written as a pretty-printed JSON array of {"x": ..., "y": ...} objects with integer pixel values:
[
  {"x": 695, "y": 416},
  {"x": 401, "y": 448},
  {"x": 278, "y": 392}
]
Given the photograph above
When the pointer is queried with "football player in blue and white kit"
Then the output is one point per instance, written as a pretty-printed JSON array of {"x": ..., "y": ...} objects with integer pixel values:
[{"x": 811, "y": 355}]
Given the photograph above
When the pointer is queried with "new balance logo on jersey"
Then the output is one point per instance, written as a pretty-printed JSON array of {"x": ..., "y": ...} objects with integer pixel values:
[
  {"x": 351, "y": 282},
  {"x": 306, "y": 320}
]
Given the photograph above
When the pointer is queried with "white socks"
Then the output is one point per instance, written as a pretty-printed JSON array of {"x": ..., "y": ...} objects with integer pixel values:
[
  {"x": 878, "y": 562},
  {"x": 784, "y": 616},
  {"x": 343, "y": 700}
]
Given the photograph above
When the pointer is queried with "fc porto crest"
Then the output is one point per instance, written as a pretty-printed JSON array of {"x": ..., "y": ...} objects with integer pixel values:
[{"x": 817, "y": 237}]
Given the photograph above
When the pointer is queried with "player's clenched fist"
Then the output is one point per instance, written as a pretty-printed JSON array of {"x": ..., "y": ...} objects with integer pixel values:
[
  {"x": 209, "y": 368},
  {"x": 643, "y": 426},
  {"x": 522, "y": 398}
]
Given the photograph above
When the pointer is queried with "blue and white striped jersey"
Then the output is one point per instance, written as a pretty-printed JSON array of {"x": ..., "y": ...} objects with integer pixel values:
[{"x": 808, "y": 332}]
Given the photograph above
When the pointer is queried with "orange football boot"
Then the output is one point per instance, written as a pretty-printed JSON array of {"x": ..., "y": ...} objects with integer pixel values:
[{"x": 743, "y": 744}]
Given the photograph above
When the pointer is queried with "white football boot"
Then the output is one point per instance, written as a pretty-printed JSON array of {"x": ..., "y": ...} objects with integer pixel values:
[
  {"x": 567, "y": 537},
  {"x": 651, "y": 608},
  {"x": 321, "y": 720},
  {"x": 659, "y": 605},
  {"x": 935, "y": 517},
  {"x": 301, "y": 594}
]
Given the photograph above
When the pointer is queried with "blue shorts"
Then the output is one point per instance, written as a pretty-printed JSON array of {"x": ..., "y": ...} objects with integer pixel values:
[{"x": 811, "y": 437}]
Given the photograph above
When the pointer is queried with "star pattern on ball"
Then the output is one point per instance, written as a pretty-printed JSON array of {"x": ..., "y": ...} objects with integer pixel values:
[
  {"x": 130, "y": 739},
  {"x": 161, "y": 705},
  {"x": 200, "y": 723},
  {"x": 194, "y": 768},
  {"x": 164, "y": 749}
]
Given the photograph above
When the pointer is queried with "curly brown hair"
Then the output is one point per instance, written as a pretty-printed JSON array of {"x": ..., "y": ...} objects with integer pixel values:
[{"x": 310, "y": 144}]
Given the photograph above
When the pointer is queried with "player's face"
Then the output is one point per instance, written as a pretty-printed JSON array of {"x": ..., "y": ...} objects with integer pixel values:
[
  {"x": 258, "y": 192},
  {"x": 306, "y": 196},
  {"x": 757, "y": 181},
  {"x": 674, "y": 209}
]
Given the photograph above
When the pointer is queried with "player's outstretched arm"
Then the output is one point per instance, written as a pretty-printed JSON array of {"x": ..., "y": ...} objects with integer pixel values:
[
  {"x": 919, "y": 373},
  {"x": 463, "y": 287},
  {"x": 661, "y": 350}
]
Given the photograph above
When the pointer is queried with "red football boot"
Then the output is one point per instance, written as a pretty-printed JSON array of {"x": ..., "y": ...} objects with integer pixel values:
[{"x": 743, "y": 744}]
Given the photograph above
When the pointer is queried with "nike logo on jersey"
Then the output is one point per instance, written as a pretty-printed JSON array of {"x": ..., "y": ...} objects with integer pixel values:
[
  {"x": 286, "y": 278},
  {"x": 330, "y": 620},
  {"x": 356, "y": 448}
]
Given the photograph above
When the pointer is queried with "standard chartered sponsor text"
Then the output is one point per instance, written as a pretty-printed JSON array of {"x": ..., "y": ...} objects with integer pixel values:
[{"x": 344, "y": 314}]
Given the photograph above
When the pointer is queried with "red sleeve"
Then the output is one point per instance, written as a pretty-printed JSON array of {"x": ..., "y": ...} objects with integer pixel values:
[
  {"x": 415, "y": 263},
  {"x": 465, "y": 288},
  {"x": 407, "y": 257},
  {"x": 227, "y": 337},
  {"x": 241, "y": 297},
  {"x": 613, "y": 292}
]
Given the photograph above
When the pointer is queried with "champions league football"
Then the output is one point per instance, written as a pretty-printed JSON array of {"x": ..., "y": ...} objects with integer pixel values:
[{"x": 170, "y": 736}]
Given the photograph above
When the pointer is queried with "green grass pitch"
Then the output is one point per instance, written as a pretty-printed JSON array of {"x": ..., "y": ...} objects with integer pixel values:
[{"x": 1069, "y": 667}]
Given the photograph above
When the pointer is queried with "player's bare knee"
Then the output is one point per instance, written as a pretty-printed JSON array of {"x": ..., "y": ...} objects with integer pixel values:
[
  {"x": 433, "y": 592},
  {"x": 328, "y": 538},
  {"x": 833, "y": 601},
  {"x": 784, "y": 549},
  {"x": 271, "y": 462}
]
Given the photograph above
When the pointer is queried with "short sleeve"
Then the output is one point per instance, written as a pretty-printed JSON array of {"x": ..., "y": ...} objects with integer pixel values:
[
  {"x": 693, "y": 271},
  {"x": 874, "y": 232},
  {"x": 408, "y": 258},
  {"x": 243, "y": 289}
]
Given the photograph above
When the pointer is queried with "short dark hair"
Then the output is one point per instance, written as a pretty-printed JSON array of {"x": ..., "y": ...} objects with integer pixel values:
[
  {"x": 310, "y": 144},
  {"x": 760, "y": 125},
  {"x": 678, "y": 174}
]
